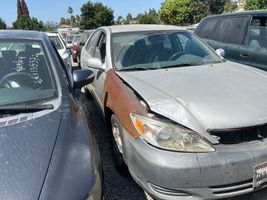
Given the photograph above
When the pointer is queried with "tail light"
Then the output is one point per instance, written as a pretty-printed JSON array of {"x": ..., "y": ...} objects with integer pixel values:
[{"x": 74, "y": 47}]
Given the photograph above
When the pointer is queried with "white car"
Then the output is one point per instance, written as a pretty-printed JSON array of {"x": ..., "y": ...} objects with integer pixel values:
[{"x": 61, "y": 47}]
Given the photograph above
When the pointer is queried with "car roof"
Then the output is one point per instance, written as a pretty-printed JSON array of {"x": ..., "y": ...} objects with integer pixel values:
[
  {"x": 141, "y": 27},
  {"x": 20, "y": 34},
  {"x": 245, "y": 13},
  {"x": 51, "y": 34}
]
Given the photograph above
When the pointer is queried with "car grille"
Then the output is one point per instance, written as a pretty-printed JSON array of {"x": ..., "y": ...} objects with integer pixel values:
[
  {"x": 239, "y": 135},
  {"x": 232, "y": 189}
]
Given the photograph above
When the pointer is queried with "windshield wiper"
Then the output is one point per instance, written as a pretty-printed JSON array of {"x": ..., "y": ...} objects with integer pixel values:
[
  {"x": 23, "y": 108},
  {"x": 135, "y": 68},
  {"x": 179, "y": 65}
]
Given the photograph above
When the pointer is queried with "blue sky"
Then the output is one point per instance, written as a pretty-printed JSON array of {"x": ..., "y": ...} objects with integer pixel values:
[{"x": 52, "y": 10}]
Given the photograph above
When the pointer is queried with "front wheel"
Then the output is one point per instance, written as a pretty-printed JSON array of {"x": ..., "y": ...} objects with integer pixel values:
[{"x": 117, "y": 145}]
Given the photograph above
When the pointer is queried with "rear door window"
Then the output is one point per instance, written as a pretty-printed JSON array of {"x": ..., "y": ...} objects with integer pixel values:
[
  {"x": 207, "y": 28},
  {"x": 257, "y": 37},
  {"x": 232, "y": 29}
]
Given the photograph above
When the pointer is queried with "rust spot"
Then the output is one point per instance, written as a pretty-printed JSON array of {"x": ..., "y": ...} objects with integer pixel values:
[{"x": 122, "y": 101}]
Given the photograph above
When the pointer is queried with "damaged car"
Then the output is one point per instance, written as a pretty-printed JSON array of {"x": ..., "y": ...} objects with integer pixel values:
[
  {"x": 47, "y": 150},
  {"x": 186, "y": 123}
]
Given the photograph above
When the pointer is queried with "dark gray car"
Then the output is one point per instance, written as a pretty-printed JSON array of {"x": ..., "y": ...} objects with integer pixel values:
[
  {"x": 242, "y": 35},
  {"x": 46, "y": 148}
]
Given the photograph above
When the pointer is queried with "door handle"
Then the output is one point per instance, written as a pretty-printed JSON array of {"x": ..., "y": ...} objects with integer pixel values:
[{"x": 244, "y": 55}]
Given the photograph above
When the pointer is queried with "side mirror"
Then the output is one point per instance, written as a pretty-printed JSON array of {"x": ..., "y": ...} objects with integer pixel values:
[
  {"x": 95, "y": 63},
  {"x": 82, "y": 77},
  {"x": 220, "y": 52}
]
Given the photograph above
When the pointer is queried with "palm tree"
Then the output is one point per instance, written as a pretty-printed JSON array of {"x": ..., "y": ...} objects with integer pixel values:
[
  {"x": 2, "y": 24},
  {"x": 70, "y": 10}
]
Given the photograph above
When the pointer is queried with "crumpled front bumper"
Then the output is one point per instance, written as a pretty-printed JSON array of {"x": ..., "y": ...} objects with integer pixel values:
[{"x": 167, "y": 175}]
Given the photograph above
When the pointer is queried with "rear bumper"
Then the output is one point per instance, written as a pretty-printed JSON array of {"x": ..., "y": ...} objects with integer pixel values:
[{"x": 169, "y": 175}]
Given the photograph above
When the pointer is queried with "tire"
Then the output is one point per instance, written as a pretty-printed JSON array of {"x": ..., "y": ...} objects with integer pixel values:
[{"x": 117, "y": 146}]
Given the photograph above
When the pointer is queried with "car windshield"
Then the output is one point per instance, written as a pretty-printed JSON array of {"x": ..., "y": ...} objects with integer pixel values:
[
  {"x": 76, "y": 38},
  {"x": 25, "y": 75},
  {"x": 56, "y": 41},
  {"x": 159, "y": 49},
  {"x": 69, "y": 39}
]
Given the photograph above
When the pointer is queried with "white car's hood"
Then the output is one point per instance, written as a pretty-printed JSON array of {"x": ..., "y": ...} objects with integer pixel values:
[{"x": 220, "y": 96}]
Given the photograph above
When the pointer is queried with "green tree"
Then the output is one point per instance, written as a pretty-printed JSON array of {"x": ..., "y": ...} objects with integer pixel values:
[
  {"x": 128, "y": 18},
  {"x": 119, "y": 21},
  {"x": 28, "y": 23},
  {"x": 150, "y": 17},
  {"x": 62, "y": 21},
  {"x": 255, "y": 4},
  {"x": 78, "y": 19},
  {"x": 94, "y": 15},
  {"x": 50, "y": 26},
  {"x": 182, "y": 12},
  {"x": 70, "y": 10},
  {"x": 2, "y": 24},
  {"x": 67, "y": 22},
  {"x": 230, "y": 6}
]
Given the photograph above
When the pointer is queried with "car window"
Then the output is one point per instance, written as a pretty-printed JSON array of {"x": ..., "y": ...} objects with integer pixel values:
[
  {"x": 159, "y": 49},
  {"x": 76, "y": 38},
  {"x": 69, "y": 39},
  {"x": 92, "y": 44},
  {"x": 100, "y": 51},
  {"x": 85, "y": 35},
  {"x": 25, "y": 73},
  {"x": 206, "y": 28},
  {"x": 56, "y": 41},
  {"x": 231, "y": 29},
  {"x": 258, "y": 33}
]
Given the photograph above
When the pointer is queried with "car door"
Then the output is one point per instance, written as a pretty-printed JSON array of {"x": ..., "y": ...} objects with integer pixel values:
[
  {"x": 228, "y": 33},
  {"x": 96, "y": 48},
  {"x": 231, "y": 33}
]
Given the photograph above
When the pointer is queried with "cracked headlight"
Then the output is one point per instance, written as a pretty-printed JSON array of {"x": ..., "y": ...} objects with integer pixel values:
[{"x": 169, "y": 136}]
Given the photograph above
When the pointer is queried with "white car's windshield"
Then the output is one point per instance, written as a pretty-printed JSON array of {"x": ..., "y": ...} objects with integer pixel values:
[
  {"x": 159, "y": 49},
  {"x": 25, "y": 75}
]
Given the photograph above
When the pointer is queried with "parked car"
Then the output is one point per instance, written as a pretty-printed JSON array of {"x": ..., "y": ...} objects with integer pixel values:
[
  {"x": 187, "y": 123},
  {"x": 75, "y": 41},
  {"x": 61, "y": 48},
  {"x": 242, "y": 35},
  {"x": 84, "y": 37},
  {"x": 69, "y": 39},
  {"x": 47, "y": 150}
]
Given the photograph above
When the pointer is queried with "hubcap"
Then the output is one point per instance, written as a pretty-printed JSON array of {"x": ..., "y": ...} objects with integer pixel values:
[{"x": 117, "y": 137}]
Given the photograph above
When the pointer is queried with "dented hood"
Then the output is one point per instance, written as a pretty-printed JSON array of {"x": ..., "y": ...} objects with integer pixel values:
[{"x": 219, "y": 96}]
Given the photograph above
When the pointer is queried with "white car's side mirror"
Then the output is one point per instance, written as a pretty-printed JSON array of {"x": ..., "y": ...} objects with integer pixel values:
[
  {"x": 95, "y": 63},
  {"x": 220, "y": 52}
]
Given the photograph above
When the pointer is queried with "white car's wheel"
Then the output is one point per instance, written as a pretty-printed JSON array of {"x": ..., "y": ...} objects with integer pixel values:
[{"x": 117, "y": 146}]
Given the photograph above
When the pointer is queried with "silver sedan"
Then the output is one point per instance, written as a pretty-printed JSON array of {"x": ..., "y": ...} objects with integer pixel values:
[{"x": 186, "y": 123}]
